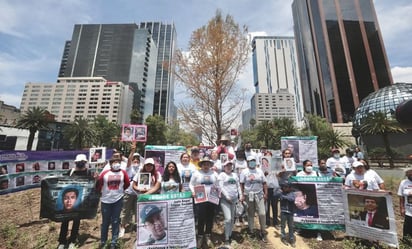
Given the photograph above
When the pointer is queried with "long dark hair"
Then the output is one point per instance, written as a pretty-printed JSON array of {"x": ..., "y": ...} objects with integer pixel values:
[{"x": 166, "y": 175}]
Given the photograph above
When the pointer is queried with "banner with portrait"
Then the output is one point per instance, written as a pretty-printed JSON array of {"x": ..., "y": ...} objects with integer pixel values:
[
  {"x": 163, "y": 154},
  {"x": 318, "y": 202},
  {"x": 302, "y": 148},
  {"x": 369, "y": 215},
  {"x": 68, "y": 197},
  {"x": 21, "y": 170},
  {"x": 165, "y": 221}
]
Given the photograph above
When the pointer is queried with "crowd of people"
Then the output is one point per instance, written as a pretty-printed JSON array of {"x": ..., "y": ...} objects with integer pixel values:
[{"x": 243, "y": 181}]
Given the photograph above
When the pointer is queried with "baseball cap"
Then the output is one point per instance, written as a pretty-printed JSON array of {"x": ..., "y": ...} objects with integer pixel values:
[
  {"x": 227, "y": 163},
  {"x": 205, "y": 159},
  {"x": 149, "y": 161},
  {"x": 334, "y": 150},
  {"x": 357, "y": 164},
  {"x": 148, "y": 211},
  {"x": 80, "y": 157},
  {"x": 136, "y": 154},
  {"x": 250, "y": 158}
]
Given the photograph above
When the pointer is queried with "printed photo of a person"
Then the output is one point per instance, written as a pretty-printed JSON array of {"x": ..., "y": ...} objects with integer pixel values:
[
  {"x": 375, "y": 212},
  {"x": 51, "y": 165},
  {"x": 153, "y": 217},
  {"x": 127, "y": 134},
  {"x": 19, "y": 167},
  {"x": 69, "y": 199},
  {"x": 36, "y": 166},
  {"x": 140, "y": 133},
  {"x": 3, "y": 169},
  {"x": 306, "y": 201}
]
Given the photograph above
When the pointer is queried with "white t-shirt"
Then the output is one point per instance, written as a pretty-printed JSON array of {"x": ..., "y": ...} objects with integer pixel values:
[
  {"x": 405, "y": 190},
  {"x": 169, "y": 186},
  {"x": 229, "y": 185},
  {"x": 354, "y": 180},
  {"x": 334, "y": 163},
  {"x": 253, "y": 180},
  {"x": 202, "y": 178}
]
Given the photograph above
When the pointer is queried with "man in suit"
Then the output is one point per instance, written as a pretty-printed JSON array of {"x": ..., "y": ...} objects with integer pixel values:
[{"x": 374, "y": 216}]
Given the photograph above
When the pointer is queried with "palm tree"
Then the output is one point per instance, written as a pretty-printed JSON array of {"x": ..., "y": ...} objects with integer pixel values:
[
  {"x": 80, "y": 133},
  {"x": 378, "y": 123},
  {"x": 34, "y": 119},
  {"x": 265, "y": 132}
]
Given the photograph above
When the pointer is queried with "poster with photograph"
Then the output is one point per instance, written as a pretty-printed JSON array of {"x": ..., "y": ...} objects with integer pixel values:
[
  {"x": 67, "y": 197},
  {"x": 318, "y": 202},
  {"x": 144, "y": 180},
  {"x": 163, "y": 154},
  {"x": 134, "y": 132},
  {"x": 97, "y": 155},
  {"x": 224, "y": 157},
  {"x": 214, "y": 195},
  {"x": 289, "y": 164},
  {"x": 165, "y": 221},
  {"x": 21, "y": 170},
  {"x": 265, "y": 163},
  {"x": 369, "y": 215},
  {"x": 302, "y": 148},
  {"x": 200, "y": 194}
]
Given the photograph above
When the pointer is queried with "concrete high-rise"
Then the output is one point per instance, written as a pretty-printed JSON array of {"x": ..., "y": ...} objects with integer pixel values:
[
  {"x": 276, "y": 78},
  {"x": 341, "y": 55}
]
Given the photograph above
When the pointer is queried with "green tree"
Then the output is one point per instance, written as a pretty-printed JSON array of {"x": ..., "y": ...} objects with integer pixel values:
[
  {"x": 252, "y": 122},
  {"x": 156, "y": 130},
  {"x": 104, "y": 130},
  {"x": 218, "y": 52},
  {"x": 176, "y": 136},
  {"x": 378, "y": 123},
  {"x": 80, "y": 133},
  {"x": 265, "y": 133},
  {"x": 135, "y": 116},
  {"x": 34, "y": 119}
]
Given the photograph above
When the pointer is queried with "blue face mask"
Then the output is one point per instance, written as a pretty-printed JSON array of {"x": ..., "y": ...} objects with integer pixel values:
[
  {"x": 251, "y": 164},
  {"x": 80, "y": 164}
]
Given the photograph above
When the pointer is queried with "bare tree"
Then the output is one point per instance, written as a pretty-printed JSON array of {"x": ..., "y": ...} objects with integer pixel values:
[{"x": 217, "y": 54}]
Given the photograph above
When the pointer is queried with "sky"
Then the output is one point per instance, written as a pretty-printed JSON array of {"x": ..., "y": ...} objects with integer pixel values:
[{"x": 33, "y": 32}]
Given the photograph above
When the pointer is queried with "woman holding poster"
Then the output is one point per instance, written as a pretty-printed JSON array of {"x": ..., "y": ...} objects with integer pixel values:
[
  {"x": 149, "y": 170},
  {"x": 204, "y": 177}
]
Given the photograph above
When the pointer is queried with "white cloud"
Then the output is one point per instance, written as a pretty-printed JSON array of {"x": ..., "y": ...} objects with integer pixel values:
[
  {"x": 11, "y": 99},
  {"x": 402, "y": 74}
]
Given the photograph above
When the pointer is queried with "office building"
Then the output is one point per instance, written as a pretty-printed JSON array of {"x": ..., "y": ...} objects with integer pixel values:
[
  {"x": 341, "y": 55},
  {"x": 267, "y": 106},
  {"x": 276, "y": 79},
  {"x": 85, "y": 97},
  {"x": 118, "y": 52},
  {"x": 164, "y": 36}
]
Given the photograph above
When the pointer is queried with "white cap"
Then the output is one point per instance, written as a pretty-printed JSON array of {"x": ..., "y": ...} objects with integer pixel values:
[
  {"x": 149, "y": 161},
  {"x": 227, "y": 162},
  {"x": 250, "y": 158},
  {"x": 136, "y": 154},
  {"x": 357, "y": 164},
  {"x": 80, "y": 157}
]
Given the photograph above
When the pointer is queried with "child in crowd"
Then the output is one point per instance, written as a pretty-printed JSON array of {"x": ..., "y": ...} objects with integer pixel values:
[{"x": 287, "y": 206}]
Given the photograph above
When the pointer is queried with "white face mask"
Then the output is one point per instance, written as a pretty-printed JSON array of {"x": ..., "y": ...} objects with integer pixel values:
[
  {"x": 116, "y": 166},
  {"x": 135, "y": 166},
  {"x": 336, "y": 155},
  {"x": 309, "y": 169}
]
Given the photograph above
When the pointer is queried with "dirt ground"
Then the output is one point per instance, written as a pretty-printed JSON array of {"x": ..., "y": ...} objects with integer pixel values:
[{"x": 21, "y": 228}]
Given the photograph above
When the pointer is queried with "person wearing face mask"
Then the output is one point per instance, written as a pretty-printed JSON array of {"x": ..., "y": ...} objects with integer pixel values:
[
  {"x": 336, "y": 163},
  {"x": 111, "y": 184},
  {"x": 79, "y": 170},
  {"x": 405, "y": 200},
  {"x": 254, "y": 189},
  {"x": 130, "y": 197},
  {"x": 307, "y": 169}
]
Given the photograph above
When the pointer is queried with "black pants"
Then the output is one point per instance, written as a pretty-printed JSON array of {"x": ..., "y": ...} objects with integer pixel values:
[
  {"x": 407, "y": 227},
  {"x": 206, "y": 212},
  {"x": 272, "y": 203},
  {"x": 73, "y": 234}
]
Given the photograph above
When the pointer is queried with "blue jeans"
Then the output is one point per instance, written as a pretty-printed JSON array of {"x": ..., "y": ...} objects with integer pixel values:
[
  {"x": 286, "y": 218},
  {"x": 228, "y": 209},
  {"x": 111, "y": 215}
]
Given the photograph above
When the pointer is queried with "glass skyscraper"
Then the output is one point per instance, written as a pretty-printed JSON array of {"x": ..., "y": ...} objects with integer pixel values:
[
  {"x": 133, "y": 54},
  {"x": 341, "y": 55}
]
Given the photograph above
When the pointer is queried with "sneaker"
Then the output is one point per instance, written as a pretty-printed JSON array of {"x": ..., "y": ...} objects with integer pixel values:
[
  {"x": 245, "y": 223},
  {"x": 209, "y": 242},
  {"x": 199, "y": 241},
  {"x": 237, "y": 223},
  {"x": 293, "y": 244},
  {"x": 263, "y": 237},
  {"x": 61, "y": 246},
  {"x": 319, "y": 237},
  {"x": 121, "y": 232},
  {"x": 72, "y": 246},
  {"x": 284, "y": 241}
]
